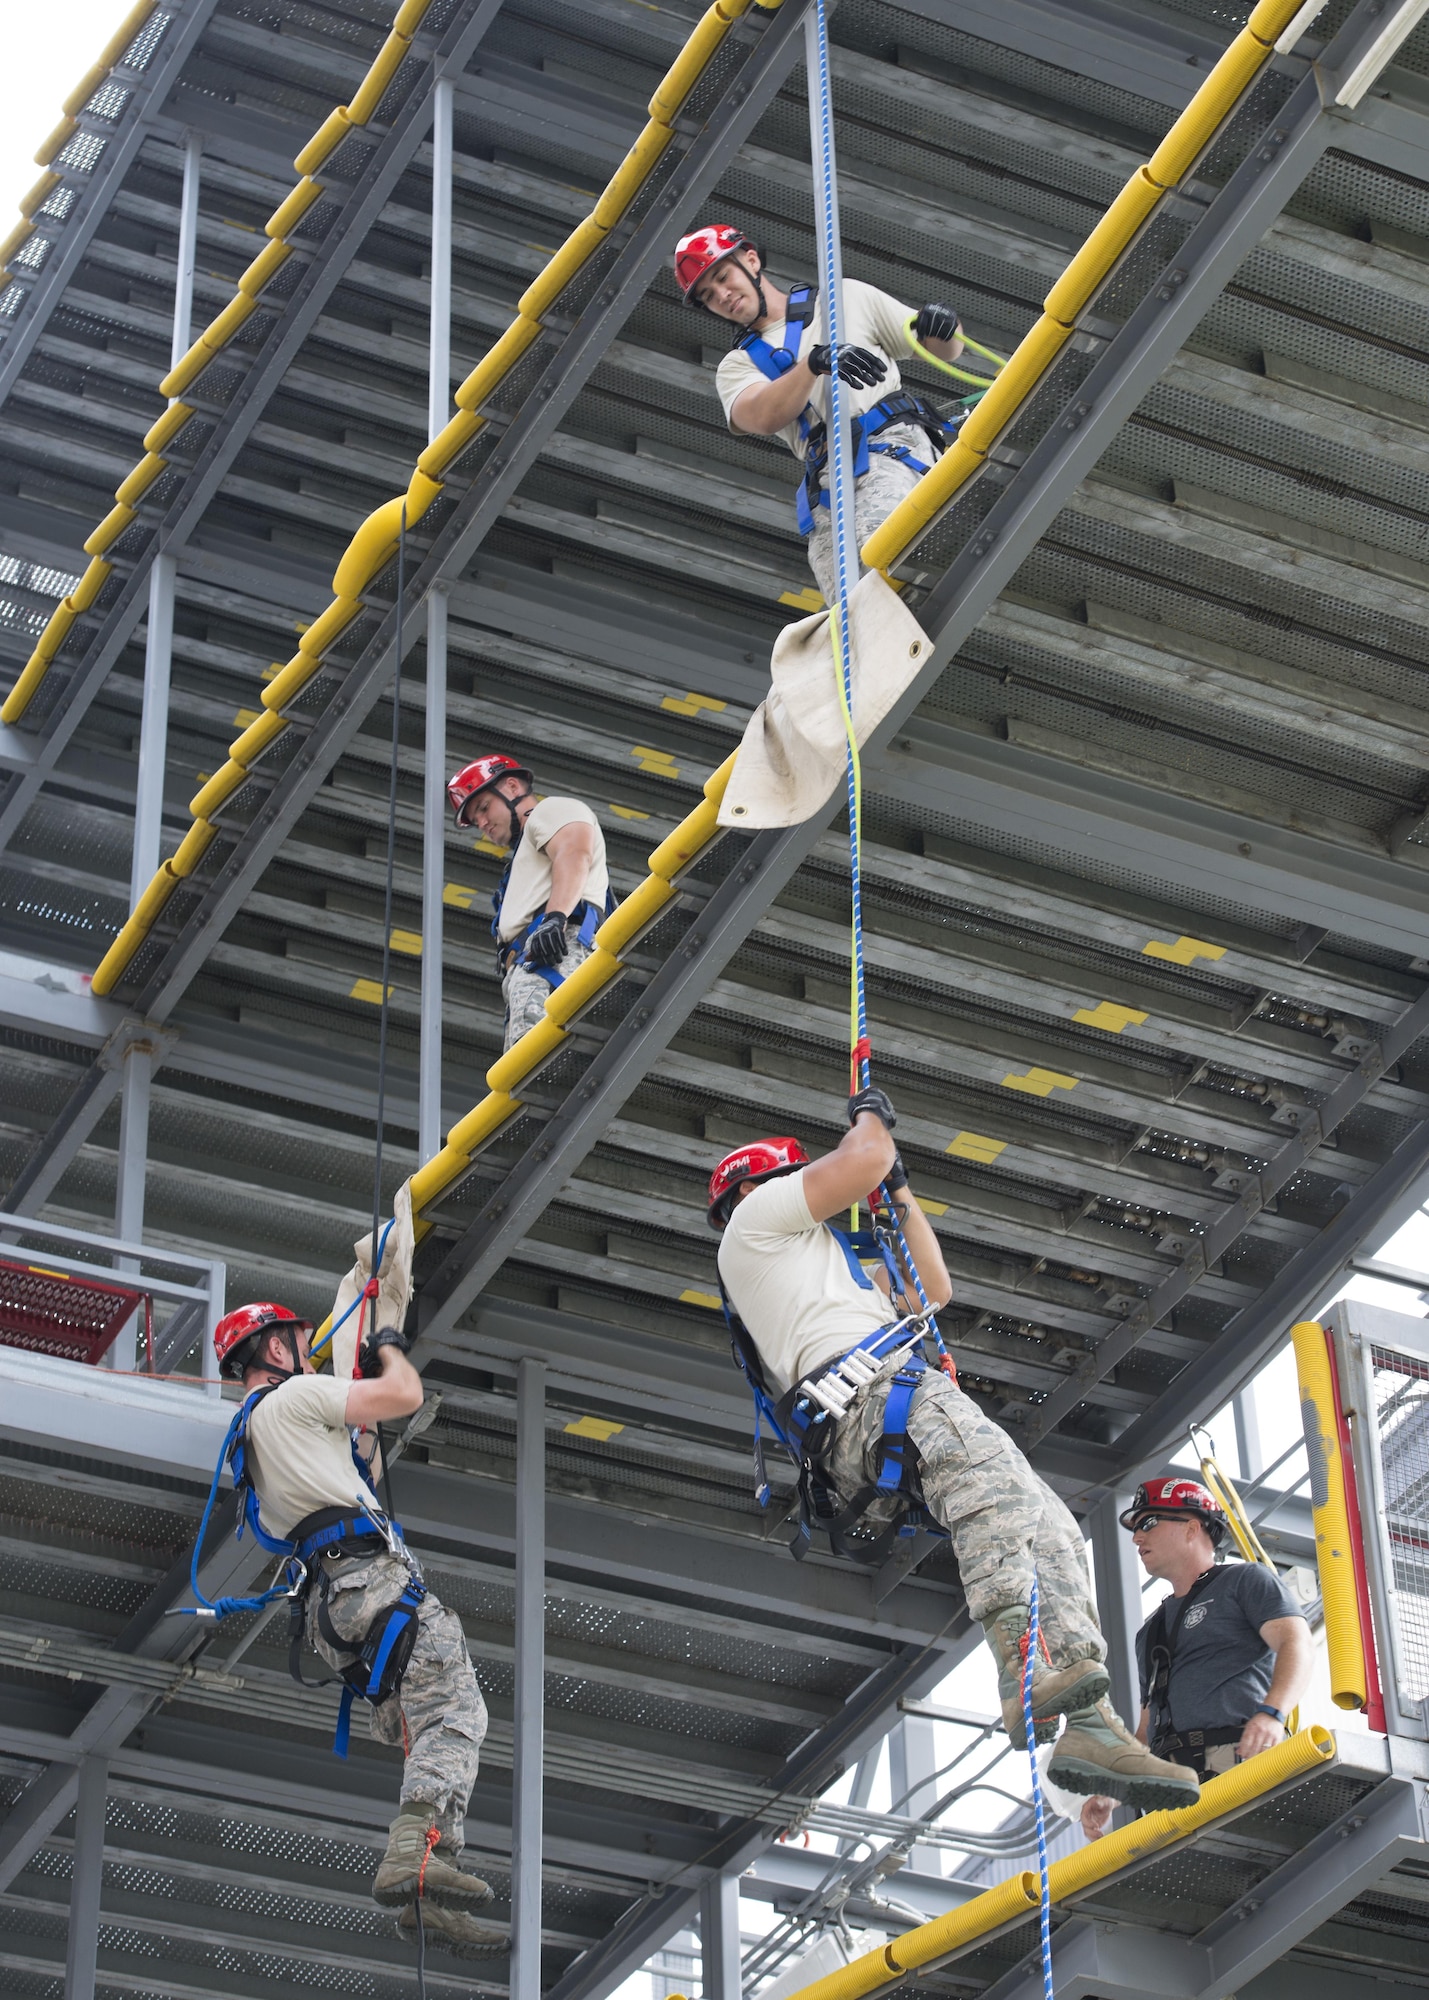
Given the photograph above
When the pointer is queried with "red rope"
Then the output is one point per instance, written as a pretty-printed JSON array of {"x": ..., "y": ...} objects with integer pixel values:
[{"x": 434, "y": 1834}]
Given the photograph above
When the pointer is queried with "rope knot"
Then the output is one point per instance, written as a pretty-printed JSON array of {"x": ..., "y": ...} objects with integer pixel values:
[{"x": 434, "y": 1834}]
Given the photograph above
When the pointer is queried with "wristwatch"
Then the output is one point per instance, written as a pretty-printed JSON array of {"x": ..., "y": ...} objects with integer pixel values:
[{"x": 1277, "y": 1713}]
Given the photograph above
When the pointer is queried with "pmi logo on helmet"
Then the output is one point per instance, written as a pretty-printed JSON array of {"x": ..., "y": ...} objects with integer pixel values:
[{"x": 740, "y": 1165}]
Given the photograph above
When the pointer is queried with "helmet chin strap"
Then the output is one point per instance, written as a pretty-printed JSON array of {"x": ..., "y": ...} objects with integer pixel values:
[{"x": 754, "y": 278}]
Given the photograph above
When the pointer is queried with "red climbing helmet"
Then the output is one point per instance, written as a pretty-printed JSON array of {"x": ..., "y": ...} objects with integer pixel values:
[
  {"x": 236, "y": 1330},
  {"x": 760, "y": 1161},
  {"x": 1175, "y": 1494},
  {"x": 700, "y": 252},
  {"x": 480, "y": 777}
]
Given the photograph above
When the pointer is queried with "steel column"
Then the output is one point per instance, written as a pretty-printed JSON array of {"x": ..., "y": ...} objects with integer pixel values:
[
  {"x": 529, "y": 1700},
  {"x": 86, "y": 1879},
  {"x": 153, "y": 726},
  {"x": 719, "y": 1938},
  {"x": 188, "y": 248},
  {"x": 912, "y": 1761},
  {"x": 1118, "y": 1584},
  {"x": 439, "y": 351},
  {"x": 439, "y": 368},
  {"x": 132, "y": 1177}
]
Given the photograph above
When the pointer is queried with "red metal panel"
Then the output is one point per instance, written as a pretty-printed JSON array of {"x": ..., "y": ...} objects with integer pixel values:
[{"x": 51, "y": 1312}]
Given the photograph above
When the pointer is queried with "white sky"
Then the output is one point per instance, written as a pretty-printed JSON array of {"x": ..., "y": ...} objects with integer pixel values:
[{"x": 50, "y": 48}]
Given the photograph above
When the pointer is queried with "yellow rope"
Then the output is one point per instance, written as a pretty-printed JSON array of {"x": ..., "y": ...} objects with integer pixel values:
[{"x": 947, "y": 368}]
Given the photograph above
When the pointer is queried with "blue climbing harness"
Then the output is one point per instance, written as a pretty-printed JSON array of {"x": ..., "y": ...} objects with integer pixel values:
[
  {"x": 508, "y": 949},
  {"x": 901, "y": 407},
  {"x": 804, "y": 1419},
  {"x": 381, "y": 1656}
]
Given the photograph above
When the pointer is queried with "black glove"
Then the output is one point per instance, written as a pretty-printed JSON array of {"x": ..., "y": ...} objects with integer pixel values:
[
  {"x": 857, "y": 367},
  {"x": 937, "y": 322},
  {"x": 874, "y": 1100},
  {"x": 369, "y": 1361},
  {"x": 896, "y": 1178},
  {"x": 547, "y": 943}
]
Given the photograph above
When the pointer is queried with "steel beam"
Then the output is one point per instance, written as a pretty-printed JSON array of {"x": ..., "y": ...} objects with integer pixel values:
[
  {"x": 86, "y": 1879},
  {"x": 529, "y": 1698},
  {"x": 366, "y": 200},
  {"x": 772, "y": 55},
  {"x": 1031, "y": 500},
  {"x": 1308, "y": 1278},
  {"x": 1261, "y": 1189},
  {"x": 719, "y": 1938},
  {"x": 151, "y": 88},
  {"x": 1118, "y": 1576}
]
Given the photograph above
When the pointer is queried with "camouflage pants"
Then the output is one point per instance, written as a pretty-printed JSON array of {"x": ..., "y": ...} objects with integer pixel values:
[
  {"x": 1004, "y": 1521},
  {"x": 886, "y": 482},
  {"x": 526, "y": 993},
  {"x": 437, "y": 1714}
]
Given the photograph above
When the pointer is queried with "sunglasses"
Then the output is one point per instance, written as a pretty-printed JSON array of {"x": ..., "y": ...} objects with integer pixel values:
[{"x": 1149, "y": 1521}]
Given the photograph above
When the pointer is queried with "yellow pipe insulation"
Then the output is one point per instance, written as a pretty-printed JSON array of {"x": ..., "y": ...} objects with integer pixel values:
[
  {"x": 1018, "y": 1897},
  {"x": 1334, "y": 1546}
]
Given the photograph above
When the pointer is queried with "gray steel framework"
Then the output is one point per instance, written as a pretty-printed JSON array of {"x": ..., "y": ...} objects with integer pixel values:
[
  {"x": 327, "y": 265},
  {"x": 1033, "y": 496},
  {"x": 768, "y": 62},
  {"x": 151, "y": 87}
]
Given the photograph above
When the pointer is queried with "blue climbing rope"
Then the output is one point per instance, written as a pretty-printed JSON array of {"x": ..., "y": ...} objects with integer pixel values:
[
  {"x": 845, "y": 559},
  {"x": 843, "y": 518},
  {"x": 1045, "y": 1899}
]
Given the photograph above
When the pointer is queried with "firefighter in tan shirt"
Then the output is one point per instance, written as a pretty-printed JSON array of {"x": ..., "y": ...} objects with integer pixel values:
[
  {"x": 800, "y": 1295},
  {"x": 775, "y": 382},
  {"x": 555, "y": 889}
]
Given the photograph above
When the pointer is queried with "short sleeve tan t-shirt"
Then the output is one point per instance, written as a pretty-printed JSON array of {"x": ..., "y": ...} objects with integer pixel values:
[
  {"x": 791, "y": 1284},
  {"x": 530, "y": 885},
  {"x": 872, "y": 319},
  {"x": 300, "y": 1451}
]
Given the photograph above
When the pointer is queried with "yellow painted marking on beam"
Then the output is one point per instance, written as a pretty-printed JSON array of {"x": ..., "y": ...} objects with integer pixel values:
[
  {"x": 802, "y": 600},
  {"x": 272, "y": 671},
  {"x": 973, "y": 1146},
  {"x": 1040, "y": 1082},
  {"x": 41, "y": 1271},
  {"x": 203, "y": 776},
  {"x": 458, "y": 896},
  {"x": 246, "y": 715},
  {"x": 407, "y": 941},
  {"x": 709, "y": 1300},
  {"x": 628, "y": 812},
  {"x": 1110, "y": 1016},
  {"x": 484, "y": 846},
  {"x": 1185, "y": 951},
  {"x": 658, "y": 763},
  {"x": 933, "y": 1207},
  {"x": 691, "y": 704},
  {"x": 370, "y": 990},
  {"x": 594, "y": 1427}
]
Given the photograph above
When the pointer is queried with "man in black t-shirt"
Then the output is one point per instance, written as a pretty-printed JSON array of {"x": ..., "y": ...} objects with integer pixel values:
[{"x": 1225, "y": 1658}]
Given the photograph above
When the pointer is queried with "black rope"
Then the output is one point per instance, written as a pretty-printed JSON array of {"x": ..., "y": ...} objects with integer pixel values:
[{"x": 421, "y": 1951}]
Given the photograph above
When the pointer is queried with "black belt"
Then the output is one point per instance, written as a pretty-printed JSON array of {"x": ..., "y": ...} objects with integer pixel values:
[{"x": 1194, "y": 1743}]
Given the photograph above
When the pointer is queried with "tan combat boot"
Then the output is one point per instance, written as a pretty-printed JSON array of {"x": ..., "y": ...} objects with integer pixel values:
[
  {"x": 463, "y": 1935},
  {"x": 413, "y": 1865},
  {"x": 1056, "y": 1691},
  {"x": 1099, "y": 1754}
]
